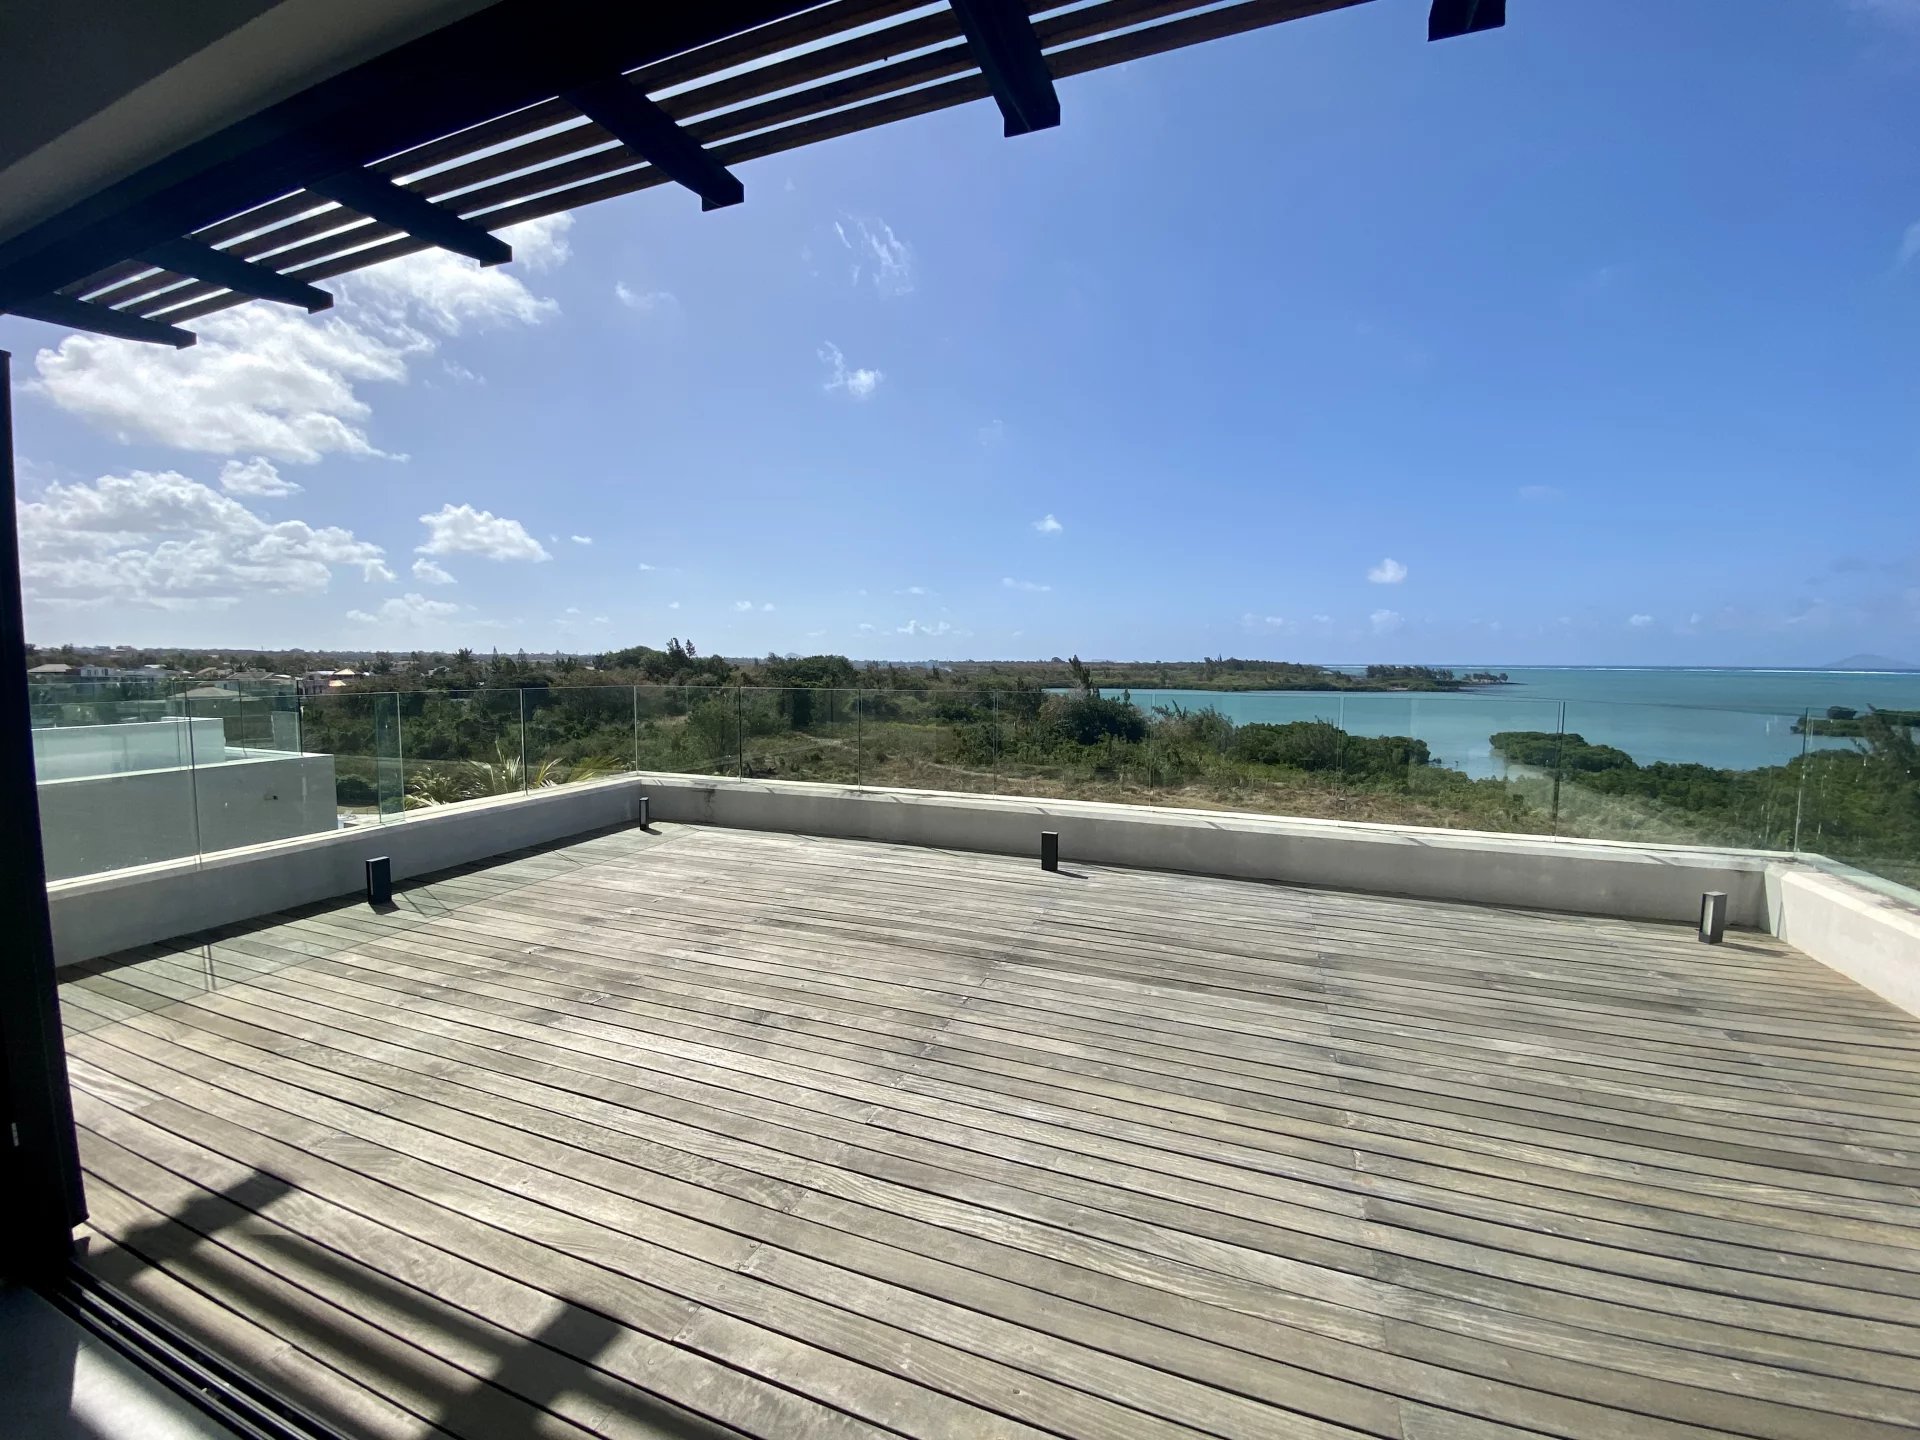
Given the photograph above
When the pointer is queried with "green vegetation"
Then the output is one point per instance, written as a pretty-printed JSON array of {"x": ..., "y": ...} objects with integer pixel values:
[
  {"x": 1860, "y": 804},
  {"x": 1845, "y": 721},
  {"x": 446, "y": 729}
]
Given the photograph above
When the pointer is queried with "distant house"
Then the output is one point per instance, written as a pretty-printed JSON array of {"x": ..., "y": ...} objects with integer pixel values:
[
  {"x": 99, "y": 672},
  {"x": 319, "y": 682},
  {"x": 51, "y": 672}
]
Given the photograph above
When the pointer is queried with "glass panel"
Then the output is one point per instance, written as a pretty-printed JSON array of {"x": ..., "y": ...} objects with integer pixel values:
[
  {"x": 687, "y": 729},
  {"x": 461, "y": 745},
  {"x": 1458, "y": 773},
  {"x": 341, "y": 727},
  {"x": 390, "y": 774},
  {"x": 116, "y": 781},
  {"x": 941, "y": 739},
  {"x": 1670, "y": 774},
  {"x": 252, "y": 783},
  {"x": 577, "y": 733},
  {"x": 1859, "y": 803},
  {"x": 801, "y": 733}
]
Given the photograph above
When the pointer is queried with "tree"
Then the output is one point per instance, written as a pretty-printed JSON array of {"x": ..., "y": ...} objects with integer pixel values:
[{"x": 1082, "y": 677}]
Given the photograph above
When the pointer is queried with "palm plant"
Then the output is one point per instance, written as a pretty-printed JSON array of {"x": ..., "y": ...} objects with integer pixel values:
[{"x": 508, "y": 773}]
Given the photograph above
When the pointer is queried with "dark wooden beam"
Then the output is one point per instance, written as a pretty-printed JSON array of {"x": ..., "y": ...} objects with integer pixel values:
[
  {"x": 41, "y": 1195},
  {"x": 1008, "y": 54},
  {"x": 244, "y": 277},
  {"x": 380, "y": 199},
  {"x": 652, "y": 134},
  {"x": 1451, "y": 18},
  {"x": 101, "y": 320},
  {"x": 508, "y": 56}
]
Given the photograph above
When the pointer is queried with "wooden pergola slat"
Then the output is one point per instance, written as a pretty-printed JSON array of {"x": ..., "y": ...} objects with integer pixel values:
[
  {"x": 243, "y": 277},
  {"x": 796, "y": 77},
  {"x": 650, "y": 134}
]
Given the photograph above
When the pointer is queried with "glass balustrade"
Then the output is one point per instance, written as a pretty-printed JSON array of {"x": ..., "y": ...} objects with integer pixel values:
[{"x": 128, "y": 781}]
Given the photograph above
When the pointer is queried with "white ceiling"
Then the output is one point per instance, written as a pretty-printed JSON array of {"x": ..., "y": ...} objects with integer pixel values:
[{"x": 93, "y": 93}]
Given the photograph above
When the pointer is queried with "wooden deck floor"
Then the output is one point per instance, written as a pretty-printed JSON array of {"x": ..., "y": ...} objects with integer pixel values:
[{"x": 708, "y": 1131}]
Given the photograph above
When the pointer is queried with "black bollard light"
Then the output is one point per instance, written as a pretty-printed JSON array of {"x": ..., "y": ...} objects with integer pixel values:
[
  {"x": 380, "y": 880},
  {"x": 1713, "y": 916},
  {"x": 643, "y": 812},
  {"x": 1049, "y": 849}
]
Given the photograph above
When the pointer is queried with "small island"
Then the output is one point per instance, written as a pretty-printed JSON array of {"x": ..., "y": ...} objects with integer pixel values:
[
  {"x": 1216, "y": 673},
  {"x": 1846, "y": 722}
]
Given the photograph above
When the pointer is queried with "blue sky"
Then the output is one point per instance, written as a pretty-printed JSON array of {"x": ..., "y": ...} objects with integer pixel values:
[{"x": 1592, "y": 340}]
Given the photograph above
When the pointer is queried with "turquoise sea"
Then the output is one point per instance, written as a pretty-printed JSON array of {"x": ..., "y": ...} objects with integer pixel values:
[{"x": 1733, "y": 719}]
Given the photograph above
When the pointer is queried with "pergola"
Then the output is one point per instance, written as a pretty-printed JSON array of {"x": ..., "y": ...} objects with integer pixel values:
[{"x": 530, "y": 107}]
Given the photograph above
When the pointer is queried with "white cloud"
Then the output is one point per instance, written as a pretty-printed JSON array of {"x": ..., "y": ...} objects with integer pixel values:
[
  {"x": 1264, "y": 622},
  {"x": 878, "y": 255},
  {"x": 1323, "y": 619},
  {"x": 1902, "y": 14},
  {"x": 866, "y": 625},
  {"x": 463, "y": 530},
  {"x": 1047, "y": 525},
  {"x": 257, "y": 476},
  {"x": 450, "y": 292},
  {"x": 673, "y": 604},
  {"x": 914, "y": 627},
  {"x": 815, "y": 634},
  {"x": 581, "y": 539},
  {"x": 1012, "y": 584},
  {"x": 767, "y": 606},
  {"x": 914, "y": 590},
  {"x": 1385, "y": 622},
  {"x": 267, "y": 380},
  {"x": 1640, "y": 622},
  {"x": 644, "y": 566},
  {"x": 644, "y": 301},
  {"x": 993, "y": 434},
  {"x": 743, "y": 605},
  {"x": 164, "y": 540},
  {"x": 407, "y": 610},
  {"x": 860, "y": 384},
  {"x": 432, "y": 574},
  {"x": 1387, "y": 572},
  {"x": 1539, "y": 494}
]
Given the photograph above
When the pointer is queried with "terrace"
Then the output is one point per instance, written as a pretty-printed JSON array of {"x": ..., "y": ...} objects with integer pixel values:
[
  {"x": 749, "y": 1078},
  {"x": 696, "y": 1130}
]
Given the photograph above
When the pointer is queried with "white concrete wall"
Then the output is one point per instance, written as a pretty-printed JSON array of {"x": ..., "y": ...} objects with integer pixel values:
[
  {"x": 1870, "y": 937},
  {"x": 99, "y": 914},
  {"x": 1656, "y": 882},
  {"x": 1873, "y": 938},
  {"x": 108, "y": 822},
  {"x": 64, "y": 752}
]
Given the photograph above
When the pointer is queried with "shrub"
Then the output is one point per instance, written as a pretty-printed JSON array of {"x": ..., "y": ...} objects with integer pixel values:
[
  {"x": 1090, "y": 719},
  {"x": 355, "y": 790}
]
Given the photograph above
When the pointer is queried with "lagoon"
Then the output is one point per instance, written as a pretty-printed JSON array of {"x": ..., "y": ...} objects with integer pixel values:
[{"x": 1730, "y": 719}]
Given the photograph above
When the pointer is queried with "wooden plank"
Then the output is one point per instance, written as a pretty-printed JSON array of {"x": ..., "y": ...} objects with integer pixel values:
[
  {"x": 1744, "y": 1379},
  {"x": 925, "y": 1056},
  {"x": 1724, "y": 1407},
  {"x": 1206, "y": 1223},
  {"x": 1204, "y": 1153},
  {"x": 1827, "y": 1172},
  {"x": 702, "y": 1263}
]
